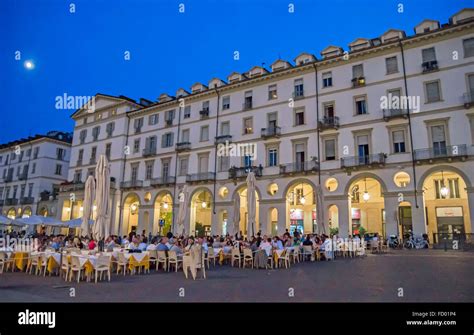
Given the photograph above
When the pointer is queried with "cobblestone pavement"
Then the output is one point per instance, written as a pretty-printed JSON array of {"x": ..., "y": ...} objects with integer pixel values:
[{"x": 422, "y": 276}]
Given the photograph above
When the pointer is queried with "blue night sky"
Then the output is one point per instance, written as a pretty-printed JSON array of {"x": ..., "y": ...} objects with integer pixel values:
[{"x": 83, "y": 53}]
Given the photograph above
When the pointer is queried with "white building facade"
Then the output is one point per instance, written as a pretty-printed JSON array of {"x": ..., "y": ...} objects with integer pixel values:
[
  {"x": 31, "y": 171},
  {"x": 384, "y": 132}
]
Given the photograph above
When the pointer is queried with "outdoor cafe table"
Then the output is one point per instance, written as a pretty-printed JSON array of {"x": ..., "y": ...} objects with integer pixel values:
[
  {"x": 135, "y": 259},
  {"x": 53, "y": 259}
]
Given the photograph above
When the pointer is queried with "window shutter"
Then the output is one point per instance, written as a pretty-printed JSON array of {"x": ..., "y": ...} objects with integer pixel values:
[
  {"x": 437, "y": 133},
  {"x": 428, "y": 54},
  {"x": 330, "y": 148},
  {"x": 432, "y": 91},
  {"x": 398, "y": 136},
  {"x": 468, "y": 47},
  {"x": 363, "y": 140},
  {"x": 357, "y": 71}
]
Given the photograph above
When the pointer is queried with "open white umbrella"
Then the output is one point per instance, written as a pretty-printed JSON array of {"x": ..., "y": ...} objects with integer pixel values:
[
  {"x": 101, "y": 227},
  {"x": 76, "y": 223},
  {"x": 251, "y": 204},
  {"x": 320, "y": 210},
  {"x": 236, "y": 218},
  {"x": 4, "y": 220},
  {"x": 89, "y": 194},
  {"x": 183, "y": 206}
]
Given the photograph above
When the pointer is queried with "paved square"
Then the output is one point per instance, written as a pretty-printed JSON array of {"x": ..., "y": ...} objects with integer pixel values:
[{"x": 424, "y": 276}]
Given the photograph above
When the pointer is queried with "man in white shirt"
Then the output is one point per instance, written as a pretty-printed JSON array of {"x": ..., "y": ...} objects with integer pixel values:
[{"x": 267, "y": 246}]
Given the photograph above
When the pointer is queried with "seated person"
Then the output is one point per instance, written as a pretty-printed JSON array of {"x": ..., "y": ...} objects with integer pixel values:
[{"x": 267, "y": 246}]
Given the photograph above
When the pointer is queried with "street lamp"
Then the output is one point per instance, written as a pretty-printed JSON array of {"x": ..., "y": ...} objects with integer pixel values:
[
  {"x": 443, "y": 190},
  {"x": 366, "y": 195}
]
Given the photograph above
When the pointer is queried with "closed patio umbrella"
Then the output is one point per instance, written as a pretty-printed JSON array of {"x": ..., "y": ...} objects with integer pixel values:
[
  {"x": 236, "y": 218},
  {"x": 320, "y": 210},
  {"x": 89, "y": 194},
  {"x": 251, "y": 204},
  {"x": 101, "y": 227},
  {"x": 183, "y": 207}
]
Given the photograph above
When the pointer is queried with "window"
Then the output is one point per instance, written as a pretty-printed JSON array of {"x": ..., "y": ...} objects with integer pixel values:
[
  {"x": 226, "y": 102},
  {"x": 136, "y": 145},
  {"x": 452, "y": 185},
  {"x": 205, "y": 106},
  {"x": 248, "y": 125},
  {"x": 438, "y": 138},
  {"x": 248, "y": 100},
  {"x": 225, "y": 128},
  {"x": 109, "y": 129},
  {"x": 391, "y": 64},
  {"x": 82, "y": 136},
  {"x": 60, "y": 154},
  {"x": 169, "y": 117},
  {"x": 1, "y": 158},
  {"x": 134, "y": 173},
  {"x": 185, "y": 135},
  {"x": 428, "y": 55},
  {"x": 272, "y": 119},
  {"x": 93, "y": 154},
  {"x": 183, "y": 166},
  {"x": 330, "y": 149},
  {"x": 77, "y": 176},
  {"x": 363, "y": 151},
  {"x": 108, "y": 150},
  {"x": 58, "y": 169},
  {"x": 204, "y": 134},
  {"x": 247, "y": 160},
  {"x": 187, "y": 112},
  {"x": 15, "y": 190},
  {"x": 1, "y": 192},
  {"x": 360, "y": 105},
  {"x": 95, "y": 133},
  {"x": 329, "y": 110},
  {"x": 153, "y": 119},
  {"x": 165, "y": 168},
  {"x": 398, "y": 138},
  {"x": 272, "y": 92},
  {"x": 137, "y": 125},
  {"x": 35, "y": 154},
  {"x": 358, "y": 71},
  {"x": 28, "y": 154},
  {"x": 224, "y": 163},
  {"x": 299, "y": 116},
  {"x": 299, "y": 88},
  {"x": 33, "y": 168},
  {"x": 149, "y": 170},
  {"x": 98, "y": 117},
  {"x": 432, "y": 92},
  {"x": 21, "y": 156},
  {"x": 167, "y": 140},
  {"x": 327, "y": 79},
  {"x": 468, "y": 46},
  {"x": 272, "y": 157}
]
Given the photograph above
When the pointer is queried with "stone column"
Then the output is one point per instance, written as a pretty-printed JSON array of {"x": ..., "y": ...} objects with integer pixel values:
[
  {"x": 470, "y": 201},
  {"x": 343, "y": 213}
]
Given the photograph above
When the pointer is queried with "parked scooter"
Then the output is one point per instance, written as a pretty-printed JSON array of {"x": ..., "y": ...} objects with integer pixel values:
[
  {"x": 416, "y": 242},
  {"x": 393, "y": 242}
]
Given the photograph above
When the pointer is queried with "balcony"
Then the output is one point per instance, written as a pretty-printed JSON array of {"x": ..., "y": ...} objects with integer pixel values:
[
  {"x": 8, "y": 178},
  {"x": 394, "y": 113},
  {"x": 27, "y": 200},
  {"x": 242, "y": 172},
  {"x": 447, "y": 153},
  {"x": 270, "y": 132},
  {"x": 11, "y": 202},
  {"x": 92, "y": 161},
  {"x": 71, "y": 187},
  {"x": 138, "y": 130},
  {"x": 23, "y": 175},
  {"x": 131, "y": 184},
  {"x": 183, "y": 146},
  {"x": 299, "y": 167},
  {"x": 363, "y": 161},
  {"x": 297, "y": 95},
  {"x": 204, "y": 113},
  {"x": 151, "y": 151},
  {"x": 358, "y": 82},
  {"x": 429, "y": 66},
  {"x": 200, "y": 177},
  {"x": 222, "y": 139},
  {"x": 468, "y": 99},
  {"x": 328, "y": 122},
  {"x": 169, "y": 122},
  {"x": 247, "y": 105},
  {"x": 168, "y": 180}
]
